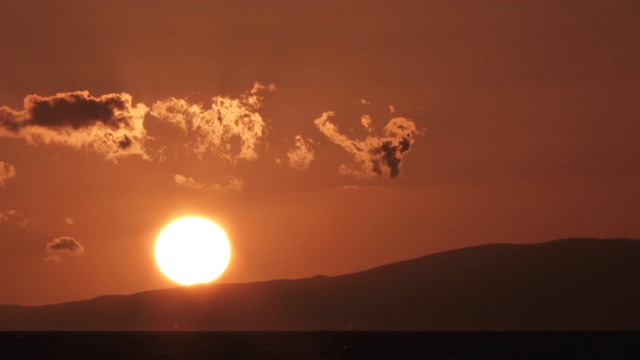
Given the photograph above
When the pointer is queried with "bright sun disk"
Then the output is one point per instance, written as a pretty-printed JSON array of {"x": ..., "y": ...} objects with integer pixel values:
[{"x": 192, "y": 250}]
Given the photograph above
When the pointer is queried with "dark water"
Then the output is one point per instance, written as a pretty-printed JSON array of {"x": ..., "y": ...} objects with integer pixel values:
[{"x": 319, "y": 345}]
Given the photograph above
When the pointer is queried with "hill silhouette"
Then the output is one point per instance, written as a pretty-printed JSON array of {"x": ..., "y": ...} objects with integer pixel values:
[{"x": 568, "y": 284}]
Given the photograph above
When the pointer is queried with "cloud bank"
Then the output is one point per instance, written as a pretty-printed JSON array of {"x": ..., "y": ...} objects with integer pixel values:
[
  {"x": 62, "y": 246},
  {"x": 301, "y": 156},
  {"x": 231, "y": 128},
  {"x": 109, "y": 124},
  {"x": 375, "y": 155},
  {"x": 7, "y": 171}
]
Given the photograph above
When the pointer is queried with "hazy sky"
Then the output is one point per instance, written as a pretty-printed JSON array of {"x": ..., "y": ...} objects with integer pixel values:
[{"x": 324, "y": 137}]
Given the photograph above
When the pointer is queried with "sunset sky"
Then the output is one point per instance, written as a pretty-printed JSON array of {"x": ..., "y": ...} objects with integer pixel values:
[{"x": 324, "y": 137}]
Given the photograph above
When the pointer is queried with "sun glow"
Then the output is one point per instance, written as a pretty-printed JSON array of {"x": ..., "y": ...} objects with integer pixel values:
[{"x": 192, "y": 250}]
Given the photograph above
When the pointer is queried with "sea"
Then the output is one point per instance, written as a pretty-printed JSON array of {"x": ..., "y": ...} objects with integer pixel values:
[{"x": 319, "y": 345}]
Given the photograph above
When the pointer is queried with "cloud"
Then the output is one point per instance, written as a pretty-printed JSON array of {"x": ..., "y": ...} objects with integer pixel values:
[
  {"x": 14, "y": 216},
  {"x": 69, "y": 220},
  {"x": 231, "y": 184},
  {"x": 62, "y": 246},
  {"x": 7, "y": 171},
  {"x": 366, "y": 121},
  {"x": 231, "y": 128},
  {"x": 350, "y": 187},
  {"x": 375, "y": 155},
  {"x": 108, "y": 124},
  {"x": 6, "y": 215},
  {"x": 301, "y": 156},
  {"x": 187, "y": 182}
]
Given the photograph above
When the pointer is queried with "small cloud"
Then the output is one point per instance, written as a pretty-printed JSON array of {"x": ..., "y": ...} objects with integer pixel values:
[
  {"x": 7, "y": 171},
  {"x": 364, "y": 102},
  {"x": 231, "y": 128},
  {"x": 14, "y": 216},
  {"x": 257, "y": 87},
  {"x": 69, "y": 220},
  {"x": 62, "y": 246},
  {"x": 392, "y": 110},
  {"x": 375, "y": 155},
  {"x": 350, "y": 187},
  {"x": 187, "y": 182},
  {"x": 109, "y": 124},
  {"x": 231, "y": 183},
  {"x": 301, "y": 156},
  {"x": 365, "y": 120}
]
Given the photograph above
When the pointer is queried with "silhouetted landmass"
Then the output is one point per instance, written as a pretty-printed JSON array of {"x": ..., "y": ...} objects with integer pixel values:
[{"x": 569, "y": 284}]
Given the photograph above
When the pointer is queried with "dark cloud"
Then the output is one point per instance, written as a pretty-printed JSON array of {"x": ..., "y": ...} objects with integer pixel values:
[
  {"x": 392, "y": 152},
  {"x": 77, "y": 110},
  {"x": 109, "y": 124},
  {"x": 375, "y": 155},
  {"x": 64, "y": 245},
  {"x": 9, "y": 121}
]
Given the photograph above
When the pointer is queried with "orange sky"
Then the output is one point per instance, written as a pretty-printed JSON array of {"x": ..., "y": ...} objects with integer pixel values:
[{"x": 325, "y": 138}]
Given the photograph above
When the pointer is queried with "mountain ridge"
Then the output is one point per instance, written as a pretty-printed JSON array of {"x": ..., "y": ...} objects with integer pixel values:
[{"x": 566, "y": 284}]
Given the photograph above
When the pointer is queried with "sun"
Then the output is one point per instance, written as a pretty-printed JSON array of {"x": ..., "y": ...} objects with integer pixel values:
[{"x": 192, "y": 250}]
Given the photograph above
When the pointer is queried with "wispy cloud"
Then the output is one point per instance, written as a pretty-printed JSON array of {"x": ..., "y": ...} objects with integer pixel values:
[
  {"x": 301, "y": 155},
  {"x": 231, "y": 183},
  {"x": 375, "y": 155},
  {"x": 15, "y": 217},
  {"x": 366, "y": 121},
  {"x": 6, "y": 215},
  {"x": 109, "y": 124},
  {"x": 188, "y": 182},
  {"x": 7, "y": 171},
  {"x": 62, "y": 246},
  {"x": 231, "y": 128}
]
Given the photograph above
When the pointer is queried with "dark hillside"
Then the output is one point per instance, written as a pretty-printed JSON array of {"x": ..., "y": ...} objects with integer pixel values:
[{"x": 570, "y": 284}]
